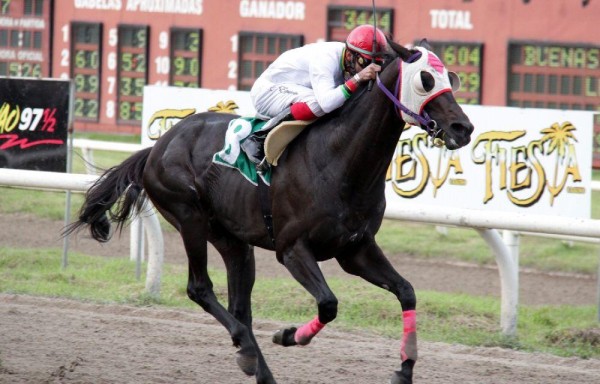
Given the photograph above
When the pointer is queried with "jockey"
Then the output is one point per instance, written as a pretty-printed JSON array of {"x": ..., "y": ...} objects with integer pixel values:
[{"x": 307, "y": 82}]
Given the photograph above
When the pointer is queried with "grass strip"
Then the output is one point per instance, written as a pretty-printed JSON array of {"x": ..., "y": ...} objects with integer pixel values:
[{"x": 449, "y": 318}]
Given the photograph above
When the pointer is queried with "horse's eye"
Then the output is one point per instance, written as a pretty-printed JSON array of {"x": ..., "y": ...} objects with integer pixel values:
[{"x": 423, "y": 82}]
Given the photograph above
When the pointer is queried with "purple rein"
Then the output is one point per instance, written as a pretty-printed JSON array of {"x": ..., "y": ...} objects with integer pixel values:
[{"x": 426, "y": 122}]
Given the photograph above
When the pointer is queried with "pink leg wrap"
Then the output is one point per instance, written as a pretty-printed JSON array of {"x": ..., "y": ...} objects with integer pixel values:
[
  {"x": 408, "y": 350},
  {"x": 305, "y": 333}
]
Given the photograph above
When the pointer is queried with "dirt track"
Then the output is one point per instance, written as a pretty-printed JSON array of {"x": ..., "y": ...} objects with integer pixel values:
[
  {"x": 54, "y": 340},
  {"x": 51, "y": 340}
]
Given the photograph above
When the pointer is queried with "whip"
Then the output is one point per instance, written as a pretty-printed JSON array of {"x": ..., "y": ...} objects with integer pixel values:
[{"x": 370, "y": 86}]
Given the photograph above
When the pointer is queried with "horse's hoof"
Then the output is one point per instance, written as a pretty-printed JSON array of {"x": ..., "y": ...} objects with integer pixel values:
[
  {"x": 246, "y": 362},
  {"x": 404, "y": 376},
  {"x": 397, "y": 378},
  {"x": 267, "y": 381},
  {"x": 285, "y": 337}
]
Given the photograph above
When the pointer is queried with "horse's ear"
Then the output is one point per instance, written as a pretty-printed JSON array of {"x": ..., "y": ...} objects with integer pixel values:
[
  {"x": 425, "y": 44},
  {"x": 404, "y": 53}
]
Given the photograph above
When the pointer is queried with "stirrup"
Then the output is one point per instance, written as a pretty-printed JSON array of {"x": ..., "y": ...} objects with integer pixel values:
[{"x": 263, "y": 167}]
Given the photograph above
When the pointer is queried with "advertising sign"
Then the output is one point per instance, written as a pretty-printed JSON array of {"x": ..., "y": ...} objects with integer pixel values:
[
  {"x": 519, "y": 160},
  {"x": 165, "y": 106},
  {"x": 34, "y": 122}
]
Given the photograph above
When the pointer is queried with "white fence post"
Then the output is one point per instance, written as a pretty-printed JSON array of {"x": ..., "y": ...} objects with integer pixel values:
[
  {"x": 136, "y": 239},
  {"x": 155, "y": 250},
  {"x": 508, "y": 269}
]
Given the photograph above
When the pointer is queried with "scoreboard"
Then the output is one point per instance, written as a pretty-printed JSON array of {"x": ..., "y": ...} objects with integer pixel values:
[
  {"x": 112, "y": 50},
  {"x": 342, "y": 19},
  {"x": 186, "y": 56},
  {"x": 133, "y": 72},
  {"x": 25, "y": 38},
  {"x": 466, "y": 59},
  {"x": 556, "y": 76},
  {"x": 86, "y": 46}
]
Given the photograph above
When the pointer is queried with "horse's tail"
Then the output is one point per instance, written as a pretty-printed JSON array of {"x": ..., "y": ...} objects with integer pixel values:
[{"x": 123, "y": 179}]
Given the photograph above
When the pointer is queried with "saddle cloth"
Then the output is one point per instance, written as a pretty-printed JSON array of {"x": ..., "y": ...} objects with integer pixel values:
[{"x": 277, "y": 140}]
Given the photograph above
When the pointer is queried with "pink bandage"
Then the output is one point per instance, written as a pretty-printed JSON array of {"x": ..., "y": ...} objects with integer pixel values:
[
  {"x": 410, "y": 321},
  {"x": 408, "y": 349},
  {"x": 305, "y": 333}
]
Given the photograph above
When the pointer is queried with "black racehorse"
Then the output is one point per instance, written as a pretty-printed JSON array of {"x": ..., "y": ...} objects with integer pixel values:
[{"x": 327, "y": 201}]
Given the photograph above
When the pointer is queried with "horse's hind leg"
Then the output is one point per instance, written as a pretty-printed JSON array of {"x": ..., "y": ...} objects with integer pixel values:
[
  {"x": 193, "y": 230},
  {"x": 240, "y": 264},
  {"x": 371, "y": 264}
]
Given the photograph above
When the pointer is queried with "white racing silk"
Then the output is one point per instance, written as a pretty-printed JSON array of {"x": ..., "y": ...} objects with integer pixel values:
[{"x": 311, "y": 74}]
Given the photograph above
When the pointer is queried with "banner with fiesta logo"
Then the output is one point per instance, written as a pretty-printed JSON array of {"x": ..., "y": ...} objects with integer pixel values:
[{"x": 519, "y": 160}]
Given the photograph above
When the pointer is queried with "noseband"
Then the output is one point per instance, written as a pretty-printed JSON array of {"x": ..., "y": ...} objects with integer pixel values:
[{"x": 427, "y": 123}]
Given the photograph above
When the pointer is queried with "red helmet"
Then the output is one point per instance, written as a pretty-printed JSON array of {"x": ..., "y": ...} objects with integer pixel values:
[{"x": 360, "y": 40}]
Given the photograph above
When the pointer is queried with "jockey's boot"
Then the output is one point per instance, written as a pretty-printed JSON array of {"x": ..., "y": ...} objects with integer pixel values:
[{"x": 254, "y": 144}]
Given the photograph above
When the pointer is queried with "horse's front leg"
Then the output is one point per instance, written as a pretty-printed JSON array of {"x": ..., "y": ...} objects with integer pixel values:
[
  {"x": 370, "y": 263},
  {"x": 304, "y": 268}
]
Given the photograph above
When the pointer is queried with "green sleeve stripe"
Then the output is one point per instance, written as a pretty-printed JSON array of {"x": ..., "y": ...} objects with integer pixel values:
[{"x": 346, "y": 91}]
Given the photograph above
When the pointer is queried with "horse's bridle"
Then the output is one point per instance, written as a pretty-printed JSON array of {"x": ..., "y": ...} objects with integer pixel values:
[{"x": 427, "y": 123}]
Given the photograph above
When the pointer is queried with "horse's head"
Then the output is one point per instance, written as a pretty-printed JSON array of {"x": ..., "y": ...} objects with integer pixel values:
[{"x": 424, "y": 96}]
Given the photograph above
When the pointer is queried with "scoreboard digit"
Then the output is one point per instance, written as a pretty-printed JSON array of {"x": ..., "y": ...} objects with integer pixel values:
[
  {"x": 341, "y": 20},
  {"x": 556, "y": 76},
  {"x": 466, "y": 60},
  {"x": 186, "y": 49},
  {"x": 132, "y": 65},
  {"x": 86, "y": 51}
]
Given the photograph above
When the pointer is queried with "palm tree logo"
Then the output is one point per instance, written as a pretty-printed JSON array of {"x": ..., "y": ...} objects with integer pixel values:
[
  {"x": 224, "y": 107},
  {"x": 560, "y": 137}
]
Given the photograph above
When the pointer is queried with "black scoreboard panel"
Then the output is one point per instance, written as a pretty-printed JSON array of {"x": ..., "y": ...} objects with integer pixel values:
[
  {"x": 466, "y": 59},
  {"x": 24, "y": 38},
  {"x": 132, "y": 66},
  {"x": 186, "y": 57},
  {"x": 257, "y": 50},
  {"x": 86, "y": 54},
  {"x": 556, "y": 76},
  {"x": 342, "y": 19}
]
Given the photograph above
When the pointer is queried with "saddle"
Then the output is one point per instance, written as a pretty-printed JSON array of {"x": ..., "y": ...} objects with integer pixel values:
[{"x": 280, "y": 136}]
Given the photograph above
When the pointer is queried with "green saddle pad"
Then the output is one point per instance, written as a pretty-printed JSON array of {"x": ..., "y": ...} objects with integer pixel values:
[{"x": 232, "y": 154}]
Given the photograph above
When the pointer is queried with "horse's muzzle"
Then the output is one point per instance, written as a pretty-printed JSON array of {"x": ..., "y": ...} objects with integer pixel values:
[{"x": 458, "y": 134}]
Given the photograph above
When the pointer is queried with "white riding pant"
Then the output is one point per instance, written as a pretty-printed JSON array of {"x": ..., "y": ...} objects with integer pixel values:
[{"x": 270, "y": 99}]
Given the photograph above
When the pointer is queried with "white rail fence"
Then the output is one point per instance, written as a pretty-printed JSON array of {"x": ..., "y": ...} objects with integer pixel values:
[
  {"x": 487, "y": 223},
  {"x": 81, "y": 183}
]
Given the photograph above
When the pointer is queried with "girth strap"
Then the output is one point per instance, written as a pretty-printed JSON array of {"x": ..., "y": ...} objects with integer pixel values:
[{"x": 265, "y": 206}]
